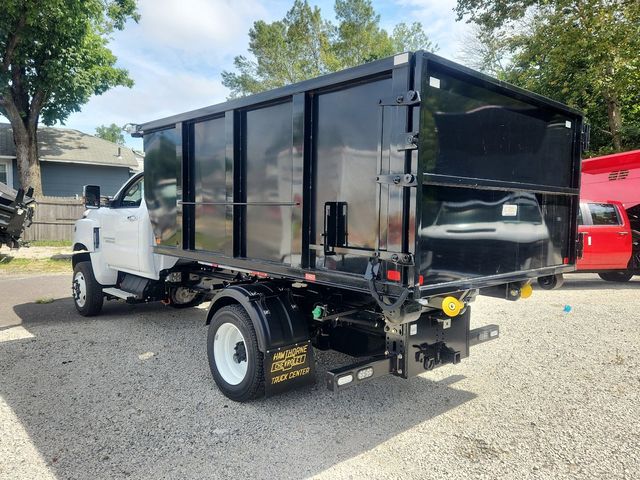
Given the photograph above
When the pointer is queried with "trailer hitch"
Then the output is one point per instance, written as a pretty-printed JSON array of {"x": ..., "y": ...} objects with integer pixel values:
[{"x": 432, "y": 355}]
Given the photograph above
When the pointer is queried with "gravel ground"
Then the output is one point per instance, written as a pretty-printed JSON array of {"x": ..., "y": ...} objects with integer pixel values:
[{"x": 129, "y": 394}]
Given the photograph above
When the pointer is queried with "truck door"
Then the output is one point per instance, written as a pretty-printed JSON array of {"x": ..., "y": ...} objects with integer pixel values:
[
  {"x": 347, "y": 157},
  {"x": 121, "y": 228},
  {"x": 607, "y": 238},
  {"x": 586, "y": 261}
]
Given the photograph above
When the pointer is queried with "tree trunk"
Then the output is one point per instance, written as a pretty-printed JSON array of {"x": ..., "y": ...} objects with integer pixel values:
[
  {"x": 615, "y": 121},
  {"x": 26, "y": 140}
]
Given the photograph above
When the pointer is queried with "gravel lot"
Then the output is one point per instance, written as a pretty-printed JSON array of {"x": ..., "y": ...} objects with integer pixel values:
[{"x": 129, "y": 394}]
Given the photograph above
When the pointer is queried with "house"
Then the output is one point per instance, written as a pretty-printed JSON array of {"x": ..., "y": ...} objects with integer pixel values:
[{"x": 70, "y": 159}]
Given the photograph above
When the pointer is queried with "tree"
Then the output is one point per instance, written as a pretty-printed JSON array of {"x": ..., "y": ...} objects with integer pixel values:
[
  {"x": 303, "y": 45},
  {"x": 359, "y": 38},
  {"x": 112, "y": 133},
  {"x": 411, "y": 38},
  {"x": 54, "y": 56},
  {"x": 581, "y": 52},
  {"x": 484, "y": 50},
  {"x": 285, "y": 51}
]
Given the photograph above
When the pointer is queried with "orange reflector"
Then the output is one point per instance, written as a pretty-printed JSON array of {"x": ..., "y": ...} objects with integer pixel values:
[{"x": 393, "y": 275}]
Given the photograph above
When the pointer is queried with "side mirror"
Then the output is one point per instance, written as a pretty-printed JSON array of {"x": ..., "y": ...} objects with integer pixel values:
[{"x": 91, "y": 194}]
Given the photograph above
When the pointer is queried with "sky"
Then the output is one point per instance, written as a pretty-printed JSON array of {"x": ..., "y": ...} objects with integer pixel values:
[{"x": 175, "y": 54}]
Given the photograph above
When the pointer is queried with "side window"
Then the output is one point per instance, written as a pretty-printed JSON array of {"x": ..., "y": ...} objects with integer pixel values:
[
  {"x": 604, "y": 214},
  {"x": 580, "y": 221},
  {"x": 133, "y": 196}
]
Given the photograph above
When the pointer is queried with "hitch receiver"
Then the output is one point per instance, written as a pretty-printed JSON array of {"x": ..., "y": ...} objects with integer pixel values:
[{"x": 435, "y": 354}]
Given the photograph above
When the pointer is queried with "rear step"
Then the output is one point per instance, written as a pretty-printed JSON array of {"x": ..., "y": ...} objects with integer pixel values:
[
  {"x": 483, "y": 334},
  {"x": 358, "y": 372},
  {"x": 342, "y": 377},
  {"x": 116, "y": 292}
]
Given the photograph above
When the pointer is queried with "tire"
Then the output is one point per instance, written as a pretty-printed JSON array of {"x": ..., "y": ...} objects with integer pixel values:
[
  {"x": 87, "y": 292},
  {"x": 180, "y": 299},
  {"x": 615, "y": 276},
  {"x": 551, "y": 282},
  {"x": 232, "y": 325}
]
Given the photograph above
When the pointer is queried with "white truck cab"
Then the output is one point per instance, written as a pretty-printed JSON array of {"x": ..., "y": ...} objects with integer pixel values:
[{"x": 113, "y": 254}]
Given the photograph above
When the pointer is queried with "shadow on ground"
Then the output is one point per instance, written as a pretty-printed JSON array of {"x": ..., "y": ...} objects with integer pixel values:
[
  {"x": 129, "y": 393},
  {"x": 593, "y": 282}
]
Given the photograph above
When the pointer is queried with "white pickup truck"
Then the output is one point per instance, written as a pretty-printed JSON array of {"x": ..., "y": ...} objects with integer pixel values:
[{"x": 114, "y": 259}]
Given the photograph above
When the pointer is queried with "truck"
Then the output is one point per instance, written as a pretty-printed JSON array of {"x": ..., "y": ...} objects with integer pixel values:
[
  {"x": 16, "y": 214},
  {"x": 361, "y": 211},
  {"x": 609, "y": 217}
]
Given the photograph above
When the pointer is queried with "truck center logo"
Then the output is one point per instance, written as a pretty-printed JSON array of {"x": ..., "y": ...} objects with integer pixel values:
[{"x": 285, "y": 360}]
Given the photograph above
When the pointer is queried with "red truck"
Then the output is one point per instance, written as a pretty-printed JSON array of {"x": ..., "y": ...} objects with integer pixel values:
[
  {"x": 610, "y": 216},
  {"x": 610, "y": 243}
]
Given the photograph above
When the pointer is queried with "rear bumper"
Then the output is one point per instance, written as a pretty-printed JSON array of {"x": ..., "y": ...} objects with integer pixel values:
[
  {"x": 429, "y": 346},
  {"x": 491, "y": 281}
]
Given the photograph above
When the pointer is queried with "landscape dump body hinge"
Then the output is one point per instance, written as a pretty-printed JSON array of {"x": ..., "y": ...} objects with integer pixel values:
[
  {"x": 398, "y": 179},
  {"x": 406, "y": 141},
  {"x": 408, "y": 99}
]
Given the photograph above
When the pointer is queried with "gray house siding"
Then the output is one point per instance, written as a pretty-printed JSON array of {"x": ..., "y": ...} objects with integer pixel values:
[{"x": 67, "y": 179}]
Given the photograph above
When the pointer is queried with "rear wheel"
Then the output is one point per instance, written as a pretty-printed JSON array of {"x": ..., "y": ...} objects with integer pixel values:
[
  {"x": 87, "y": 292},
  {"x": 235, "y": 361},
  {"x": 182, "y": 297},
  {"x": 615, "y": 276},
  {"x": 551, "y": 281}
]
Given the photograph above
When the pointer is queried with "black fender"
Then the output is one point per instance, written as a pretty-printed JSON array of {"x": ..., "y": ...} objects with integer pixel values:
[{"x": 277, "y": 320}]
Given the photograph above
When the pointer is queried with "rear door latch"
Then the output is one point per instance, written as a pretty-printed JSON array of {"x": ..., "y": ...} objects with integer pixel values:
[{"x": 398, "y": 179}]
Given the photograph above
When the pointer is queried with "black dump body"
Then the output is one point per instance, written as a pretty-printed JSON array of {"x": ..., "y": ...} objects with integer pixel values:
[
  {"x": 448, "y": 179},
  {"x": 15, "y": 215}
]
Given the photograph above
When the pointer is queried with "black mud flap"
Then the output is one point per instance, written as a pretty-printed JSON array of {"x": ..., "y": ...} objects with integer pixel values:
[
  {"x": 281, "y": 331},
  {"x": 289, "y": 367}
]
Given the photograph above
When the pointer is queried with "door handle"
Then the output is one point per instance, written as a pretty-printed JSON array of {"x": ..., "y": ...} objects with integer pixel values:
[
  {"x": 132, "y": 218},
  {"x": 623, "y": 233}
]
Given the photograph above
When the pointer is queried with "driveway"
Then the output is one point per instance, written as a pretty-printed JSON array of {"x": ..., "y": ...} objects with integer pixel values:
[{"x": 129, "y": 394}]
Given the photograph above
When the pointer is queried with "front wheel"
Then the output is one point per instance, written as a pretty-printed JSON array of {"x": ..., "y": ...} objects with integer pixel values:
[
  {"x": 235, "y": 361},
  {"x": 615, "y": 276},
  {"x": 87, "y": 292}
]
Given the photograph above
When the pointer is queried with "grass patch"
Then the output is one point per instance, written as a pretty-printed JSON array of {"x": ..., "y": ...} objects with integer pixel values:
[
  {"x": 10, "y": 265},
  {"x": 50, "y": 243},
  {"x": 44, "y": 300}
]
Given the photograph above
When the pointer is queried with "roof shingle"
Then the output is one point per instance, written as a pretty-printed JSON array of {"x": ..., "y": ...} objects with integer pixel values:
[{"x": 73, "y": 146}]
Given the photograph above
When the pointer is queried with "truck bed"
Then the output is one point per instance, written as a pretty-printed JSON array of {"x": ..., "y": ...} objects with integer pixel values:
[{"x": 440, "y": 178}]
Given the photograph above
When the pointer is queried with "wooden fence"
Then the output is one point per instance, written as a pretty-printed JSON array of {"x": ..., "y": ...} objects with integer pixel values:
[{"x": 54, "y": 218}]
